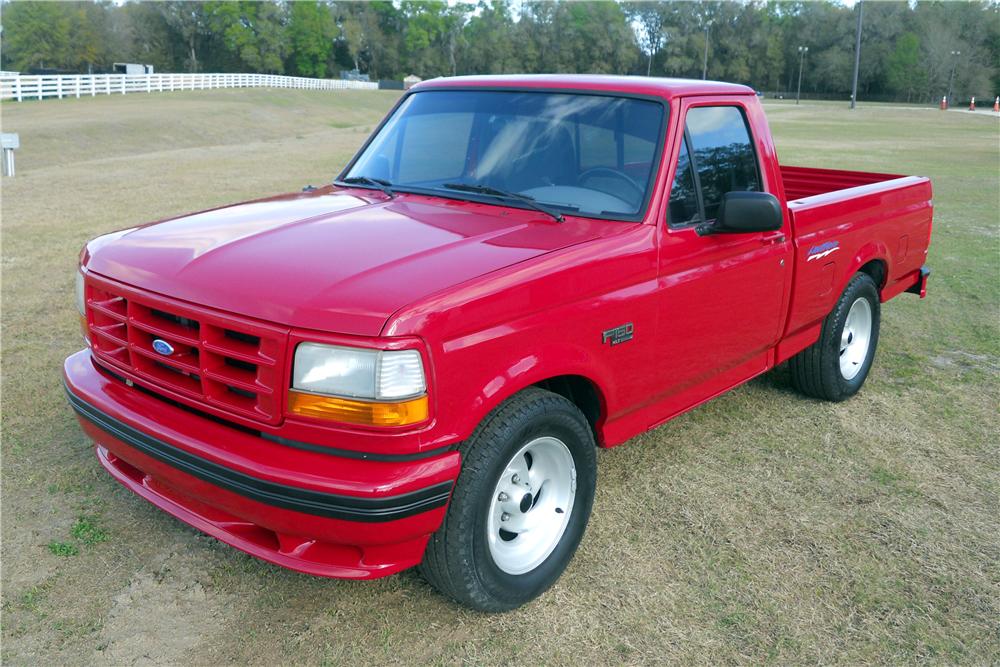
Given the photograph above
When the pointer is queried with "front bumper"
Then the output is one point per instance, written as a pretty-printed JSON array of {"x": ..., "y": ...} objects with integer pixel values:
[{"x": 310, "y": 511}]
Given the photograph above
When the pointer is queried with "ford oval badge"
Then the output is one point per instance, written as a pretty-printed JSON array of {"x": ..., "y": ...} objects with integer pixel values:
[{"x": 163, "y": 347}]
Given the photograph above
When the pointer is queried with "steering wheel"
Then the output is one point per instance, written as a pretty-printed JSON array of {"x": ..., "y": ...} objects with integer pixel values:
[{"x": 614, "y": 173}]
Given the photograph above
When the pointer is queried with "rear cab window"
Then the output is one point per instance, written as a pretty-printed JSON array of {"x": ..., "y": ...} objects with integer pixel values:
[{"x": 716, "y": 156}]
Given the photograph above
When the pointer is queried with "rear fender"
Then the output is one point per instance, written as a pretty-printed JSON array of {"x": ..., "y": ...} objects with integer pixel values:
[{"x": 870, "y": 251}]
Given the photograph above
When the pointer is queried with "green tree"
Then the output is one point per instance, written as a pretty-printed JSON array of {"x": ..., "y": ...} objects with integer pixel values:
[
  {"x": 489, "y": 41},
  {"x": 188, "y": 22},
  {"x": 593, "y": 37},
  {"x": 36, "y": 34},
  {"x": 254, "y": 33},
  {"x": 904, "y": 72},
  {"x": 353, "y": 35},
  {"x": 90, "y": 27},
  {"x": 311, "y": 31},
  {"x": 140, "y": 33},
  {"x": 652, "y": 33},
  {"x": 425, "y": 36}
]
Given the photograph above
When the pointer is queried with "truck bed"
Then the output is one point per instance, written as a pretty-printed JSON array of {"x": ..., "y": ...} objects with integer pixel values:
[
  {"x": 842, "y": 218},
  {"x": 802, "y": 182}
]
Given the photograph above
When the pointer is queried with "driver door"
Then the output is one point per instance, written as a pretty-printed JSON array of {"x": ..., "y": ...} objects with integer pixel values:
[{"x": 722, "y": 296}]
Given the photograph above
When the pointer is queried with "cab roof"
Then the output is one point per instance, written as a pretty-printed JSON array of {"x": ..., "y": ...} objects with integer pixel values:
[{"x": 636, "y": 85}]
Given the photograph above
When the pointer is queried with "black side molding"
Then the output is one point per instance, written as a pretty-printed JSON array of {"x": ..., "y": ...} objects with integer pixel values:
[
  {"x": 355, "y": 454},
  {"x": 307, "y": 501}
]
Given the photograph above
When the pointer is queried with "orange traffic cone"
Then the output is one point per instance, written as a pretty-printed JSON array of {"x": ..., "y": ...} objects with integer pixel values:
[
  {"x": 944, "y": 103},
  {"x": 972, "y": 104},
  {"x": 996, "y": 105}
]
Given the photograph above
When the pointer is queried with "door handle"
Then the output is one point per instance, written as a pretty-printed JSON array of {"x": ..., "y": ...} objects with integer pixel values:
[{"x": 772, "y": 239}]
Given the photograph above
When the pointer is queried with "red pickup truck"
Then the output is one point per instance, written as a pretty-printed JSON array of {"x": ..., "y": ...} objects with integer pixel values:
[{"x": 415, "y": 364}]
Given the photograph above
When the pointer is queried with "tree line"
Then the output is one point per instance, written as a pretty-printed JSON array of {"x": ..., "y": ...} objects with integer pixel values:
[{"x": 911, "y": 51}]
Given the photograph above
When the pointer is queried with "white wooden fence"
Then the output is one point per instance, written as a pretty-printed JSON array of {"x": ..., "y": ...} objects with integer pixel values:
[{"x": 18, "y": 87}]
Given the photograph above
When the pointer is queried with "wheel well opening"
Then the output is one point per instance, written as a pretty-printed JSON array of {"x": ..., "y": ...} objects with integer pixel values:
[
  {"x": 581, "y": 392},
  {"x": 877, "y": 270}
]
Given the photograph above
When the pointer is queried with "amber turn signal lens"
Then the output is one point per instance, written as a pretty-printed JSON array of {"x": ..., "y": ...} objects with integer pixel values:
[
  {"x": 83, "y": 329},
  {"x": 350, "y": 411}
]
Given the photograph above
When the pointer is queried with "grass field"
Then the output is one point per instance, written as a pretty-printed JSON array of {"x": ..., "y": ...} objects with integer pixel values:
[{"x": 761, "y": 527}]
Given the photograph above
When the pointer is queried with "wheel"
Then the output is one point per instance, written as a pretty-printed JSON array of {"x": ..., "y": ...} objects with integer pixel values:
[
  {"x": 520, "y": 505},
  {"x": 835, "y": 366}
]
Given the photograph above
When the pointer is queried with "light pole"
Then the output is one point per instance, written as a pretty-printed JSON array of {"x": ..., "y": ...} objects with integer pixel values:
[
  {"x": 704, "y": 62},
  {"x": 857, "y": 55},
  {"x": 803, "y": 50},
  {"x": 954, "y": 63}
]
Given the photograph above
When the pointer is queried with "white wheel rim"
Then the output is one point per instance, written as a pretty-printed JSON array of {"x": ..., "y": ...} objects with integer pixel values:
[
  {"x": 531, "y": 505},
  {"x": 856, "y": 338}
]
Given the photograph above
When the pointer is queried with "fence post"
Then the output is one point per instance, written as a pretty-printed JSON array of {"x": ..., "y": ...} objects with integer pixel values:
[{"x": 17, "y": 88}]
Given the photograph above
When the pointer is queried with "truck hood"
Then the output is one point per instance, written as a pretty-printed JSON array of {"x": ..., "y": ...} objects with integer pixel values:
[{"x": 332, "y": 260}]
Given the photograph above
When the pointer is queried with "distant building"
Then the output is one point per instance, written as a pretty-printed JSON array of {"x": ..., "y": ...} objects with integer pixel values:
[
  {"x": 132, "y": 68},
  {"x": 411, "y": 81},
  {"x": 353, "y": 75}
]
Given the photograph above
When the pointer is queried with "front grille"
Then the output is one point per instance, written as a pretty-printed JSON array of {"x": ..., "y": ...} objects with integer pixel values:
[{"x": 218, "y": 361}]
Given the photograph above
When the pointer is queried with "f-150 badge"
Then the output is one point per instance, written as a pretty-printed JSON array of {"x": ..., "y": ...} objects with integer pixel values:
[
  {"x": 822, "y": 250},
  {"x": 620, "y": 334}
]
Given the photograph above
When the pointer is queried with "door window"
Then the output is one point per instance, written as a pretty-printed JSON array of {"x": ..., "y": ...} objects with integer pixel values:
[{"x": 716, "y": 157}]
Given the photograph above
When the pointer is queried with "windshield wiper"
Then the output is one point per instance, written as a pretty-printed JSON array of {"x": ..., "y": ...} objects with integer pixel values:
[
  {"x": 383, "y": 185},
  {"x": 527, "y": 200}
]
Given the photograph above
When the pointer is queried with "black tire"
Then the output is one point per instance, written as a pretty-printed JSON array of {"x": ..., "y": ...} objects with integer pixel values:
[
  {"x": 458, "y": 561},
  {"x": 816, "y": 370}
]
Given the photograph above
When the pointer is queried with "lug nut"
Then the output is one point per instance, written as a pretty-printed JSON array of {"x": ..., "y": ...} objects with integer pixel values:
[
  {"x": 515, "y": 479},
  {"x": 504, "y": 517},
  {"x": 503, "y": 497}
]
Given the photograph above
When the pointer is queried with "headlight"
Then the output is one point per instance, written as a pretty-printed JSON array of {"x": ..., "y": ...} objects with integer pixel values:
[{"x": 359, "y": 386}]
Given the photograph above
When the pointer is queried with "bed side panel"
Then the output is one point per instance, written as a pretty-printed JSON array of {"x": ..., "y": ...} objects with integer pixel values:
[{"x": 839, "y": 232}]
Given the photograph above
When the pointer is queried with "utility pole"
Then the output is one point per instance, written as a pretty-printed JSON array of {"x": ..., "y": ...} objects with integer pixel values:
[
  {"x": 857, "y": 54},
  {"x": 803, "y": 50},
  {"x": 951, "y": 77},
  {"x": 704, "y": 62}
]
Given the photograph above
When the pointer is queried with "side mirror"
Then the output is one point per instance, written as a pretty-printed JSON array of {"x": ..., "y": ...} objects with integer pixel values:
[{"x": 745, "y": 212}]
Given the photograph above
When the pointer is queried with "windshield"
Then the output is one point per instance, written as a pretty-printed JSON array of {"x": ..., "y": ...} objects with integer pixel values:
[{"x": 589, "y": 155}]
